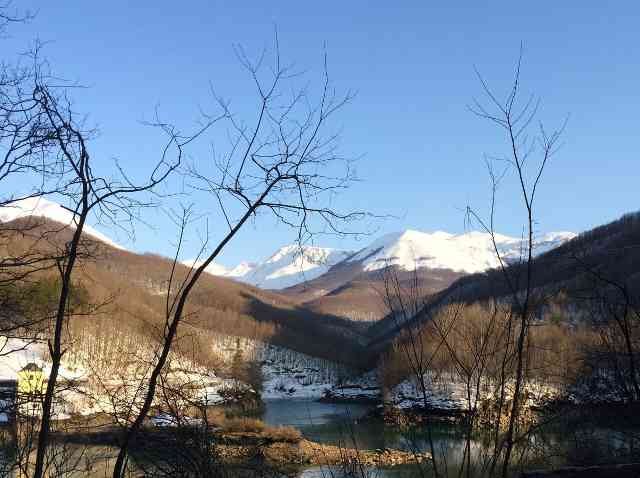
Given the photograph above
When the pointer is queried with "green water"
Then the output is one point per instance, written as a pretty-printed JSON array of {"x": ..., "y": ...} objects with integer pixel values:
[
  {"x": 583, "y": 437},
  {"x": 574, "y": 440}
]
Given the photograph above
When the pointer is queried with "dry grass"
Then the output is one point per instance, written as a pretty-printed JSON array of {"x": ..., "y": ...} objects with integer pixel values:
[
  {"x": 244, "y": 425},
  {"x": 280, "y": 434},
  {"x": 283, "y": 434}
]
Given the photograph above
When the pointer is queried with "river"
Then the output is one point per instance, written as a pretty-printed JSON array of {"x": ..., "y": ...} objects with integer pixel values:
[{"x": 577, "y": 441}]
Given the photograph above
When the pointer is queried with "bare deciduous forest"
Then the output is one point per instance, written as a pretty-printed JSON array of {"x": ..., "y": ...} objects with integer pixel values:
[{"x": 421, "y": 354}]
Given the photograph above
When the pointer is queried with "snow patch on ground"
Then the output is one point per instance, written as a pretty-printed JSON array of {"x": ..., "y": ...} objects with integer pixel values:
[
  {"x": 81, "y": 392},
  {"x": 15, "y": 354},
  {"x": 441, "y": 393},
  {"x": 448, "y": 392},
  {"x": 287, "y": 373}
]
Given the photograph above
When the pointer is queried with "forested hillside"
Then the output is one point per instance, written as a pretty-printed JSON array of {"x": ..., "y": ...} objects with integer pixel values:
[
  {"x": 128, "y": 292},
  {"x": 594, "y": 264}
]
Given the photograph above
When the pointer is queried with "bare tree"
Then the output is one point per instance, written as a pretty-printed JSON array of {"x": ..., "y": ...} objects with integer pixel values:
[
  {"x": 514, "y": 118},
  {"x": 27, "y": 157},
  {"x": 10, "y": 15},
  {"x": 283, "y": 163},
  {"x": 615, "y": 311},
  {"x": 86, "y": 193},
  {"x": 29, "y": 169},
  {"x": 408, "y": 305}
]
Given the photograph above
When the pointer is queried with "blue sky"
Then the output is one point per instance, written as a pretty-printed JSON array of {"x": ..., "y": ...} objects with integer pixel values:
[{"x": 412, "y": 66}]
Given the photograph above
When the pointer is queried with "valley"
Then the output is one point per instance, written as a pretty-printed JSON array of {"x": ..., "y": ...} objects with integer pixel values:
[
  {"x": 319, "y": 240},
  {"x": 327, "y": 350}
]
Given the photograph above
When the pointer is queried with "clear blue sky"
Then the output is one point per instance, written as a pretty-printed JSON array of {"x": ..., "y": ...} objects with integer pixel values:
[{"x": 412, "y": 66}]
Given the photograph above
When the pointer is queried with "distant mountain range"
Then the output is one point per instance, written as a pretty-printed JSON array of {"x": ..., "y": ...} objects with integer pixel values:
[
  {"x": 466, "y": 253},
  {"x": 345, "y": 283},
  {"x": 291, "y": 265},
  {"x": 319, "y": 288},
  {"x": 288, "y": 266}
]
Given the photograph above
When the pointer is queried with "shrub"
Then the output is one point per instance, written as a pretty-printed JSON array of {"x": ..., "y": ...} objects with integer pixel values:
[
  {"x": 283, "y": 434},
  {"x": 244, "y": 425},
  {"x": 253, "y": 425}
]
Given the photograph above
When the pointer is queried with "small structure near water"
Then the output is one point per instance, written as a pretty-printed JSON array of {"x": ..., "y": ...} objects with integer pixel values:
[
  {"x": 22, "y": 395},
  {"x": 31, "y": 380},
  {"x": 31, "y": 385}
]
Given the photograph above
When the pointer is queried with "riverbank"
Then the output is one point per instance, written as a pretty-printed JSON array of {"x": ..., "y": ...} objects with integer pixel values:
[
  {"x": 239, "y": 448},
  {"x": 576, "y": 439},
  {"x": 243, "y": 449},
  {"x": 239, "y": 441}
]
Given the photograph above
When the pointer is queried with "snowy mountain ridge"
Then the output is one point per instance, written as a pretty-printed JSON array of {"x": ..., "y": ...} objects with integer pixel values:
[
  {"x": 41, "y": 207},
  {"x": 288, "y": 266},
  {"x": 293, "y": 264},
  {"x": 469, "y": 252}
]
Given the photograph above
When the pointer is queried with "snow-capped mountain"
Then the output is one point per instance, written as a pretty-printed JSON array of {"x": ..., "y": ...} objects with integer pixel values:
[
  {"x": 464, "y": 253},
  {"x": 41, "y": 207},
  {"x": 289, "y": 266},
  {"x": 469, "y": 252},
  {"x": 214, "y": 268},
  {"x": 242, "y": 269}
]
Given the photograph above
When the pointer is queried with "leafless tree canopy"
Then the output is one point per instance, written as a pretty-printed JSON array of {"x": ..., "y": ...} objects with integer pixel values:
[{"x": 283, "y": 163}]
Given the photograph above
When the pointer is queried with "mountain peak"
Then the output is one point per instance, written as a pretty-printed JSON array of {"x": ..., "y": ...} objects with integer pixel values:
[
  {"x": 288, "y": 266},
  {"x": 44, "y": 208},
  {"x": 468, "y": 252},
  {"x": 241, "y": 269}
]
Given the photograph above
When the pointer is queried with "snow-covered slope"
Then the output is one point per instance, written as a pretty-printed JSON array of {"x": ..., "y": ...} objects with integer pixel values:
[
  {"x": 289, "y": 266},
  {"x": 470, "y": 252},
  {"x": 213, "y": 268},
  {"x": 41, "y": 207},
  {"x": 286, "y": 373},
  {"x": 16, "y": 353}
]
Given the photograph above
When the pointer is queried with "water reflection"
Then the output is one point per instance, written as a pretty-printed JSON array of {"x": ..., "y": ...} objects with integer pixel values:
[{"x": 567, "y": 441}]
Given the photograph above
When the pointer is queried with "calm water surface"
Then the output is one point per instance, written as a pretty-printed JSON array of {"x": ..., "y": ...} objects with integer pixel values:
[
  {"x": 577, "y": 443},
  {"x": 569, "y": 442}
]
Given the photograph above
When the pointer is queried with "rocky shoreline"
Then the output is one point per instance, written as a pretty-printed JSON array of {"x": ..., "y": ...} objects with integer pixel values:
[{"x": 238, "y": 449}]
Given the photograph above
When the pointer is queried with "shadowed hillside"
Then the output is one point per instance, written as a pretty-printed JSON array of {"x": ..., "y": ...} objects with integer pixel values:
[
  {"x": 346, "y": 291},
  {"x": 132, "y": 290},
  {"x": 578, "y": 269}
]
